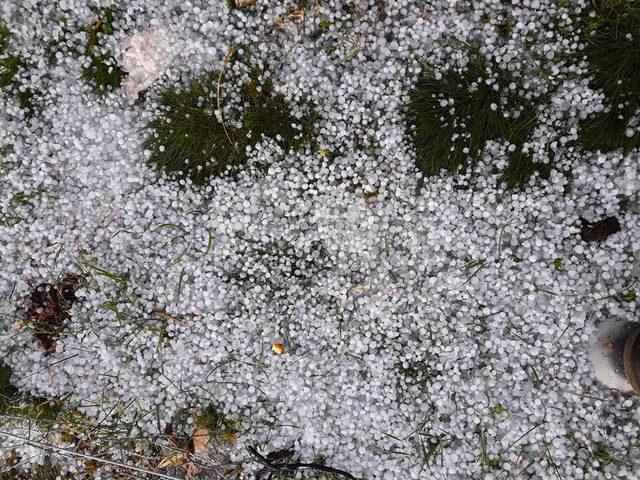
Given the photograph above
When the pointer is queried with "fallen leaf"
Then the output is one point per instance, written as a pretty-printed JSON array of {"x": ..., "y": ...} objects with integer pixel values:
[
  {"x": 371, "y": 194},
  {"x": 297, "y": 13},
  {"x": 165, "y": 315},
  {"x": 192, "y": 470},
  {"x": 278, "y": 348},
  {"x": 201, "y": 440},
  {"x": 176, "y": 460}
]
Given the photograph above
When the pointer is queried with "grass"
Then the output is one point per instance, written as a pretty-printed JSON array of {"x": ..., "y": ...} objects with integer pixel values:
[
  {"x": 218, "y": 425},
  {"x": 612, "y": 39},
  {"x": 488, "y": 462},
  {"x": 9, "y": 64},
  {"x": 5, "y": 34},
  {"x": 16, "y": 403},
  {"x": 7, "y": 391},
  {"x": 87, "y": 436},
  {"x": 189, "y": 140},
  {"x": 9, "y": 67},
  {"x": 456, "y": 113},
  {"x": 103, "y": 72},
  {"x": 46, "y": 471}
]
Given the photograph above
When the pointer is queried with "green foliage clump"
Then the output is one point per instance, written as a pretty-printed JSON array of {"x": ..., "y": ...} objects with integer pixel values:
[
  {"x": 8, "y": 392},
  {"x": 455, "y": 114},
  {"x": 103, "y": 71},
  {"x": 190, "y": 140},
  {"x": 10, "y": 64},
  {"x": 612, "y": 38},
  {"x": 9, "y": 67}
]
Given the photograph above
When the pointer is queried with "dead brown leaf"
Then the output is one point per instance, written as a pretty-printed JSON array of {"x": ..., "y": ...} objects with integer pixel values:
[
  {"x": 192, "y": 470},
  {"x": 50, "y": 305},
  {"x": 201, "y": 441}
]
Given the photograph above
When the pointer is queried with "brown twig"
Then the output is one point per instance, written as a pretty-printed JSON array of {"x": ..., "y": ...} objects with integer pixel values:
[
  {"x": 165, "y": 315},
  {"x": 227, "y": 59},
  {"x": 93, "y": 36},
  {"x": 96, "y": 25}
]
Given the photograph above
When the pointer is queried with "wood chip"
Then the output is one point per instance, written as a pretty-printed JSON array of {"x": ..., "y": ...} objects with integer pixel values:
[{"x": 201, "y": 441}]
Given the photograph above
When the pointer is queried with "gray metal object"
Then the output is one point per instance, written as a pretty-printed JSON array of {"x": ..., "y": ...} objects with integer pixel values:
[{"x": 615, "y": 354}]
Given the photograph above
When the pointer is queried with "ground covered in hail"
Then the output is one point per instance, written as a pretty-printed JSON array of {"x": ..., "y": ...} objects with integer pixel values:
[{"x": 375, "y": 236}]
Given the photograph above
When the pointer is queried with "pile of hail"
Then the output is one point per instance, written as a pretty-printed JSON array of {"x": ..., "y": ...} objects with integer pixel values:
[{"x": 332, "y": 296}]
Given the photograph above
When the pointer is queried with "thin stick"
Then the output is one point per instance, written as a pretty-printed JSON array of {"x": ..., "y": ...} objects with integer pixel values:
[{"x": 165, "y": 315}]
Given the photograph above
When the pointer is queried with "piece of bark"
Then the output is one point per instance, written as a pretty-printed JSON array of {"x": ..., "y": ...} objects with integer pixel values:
[{"x": 599, "y": 230}]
